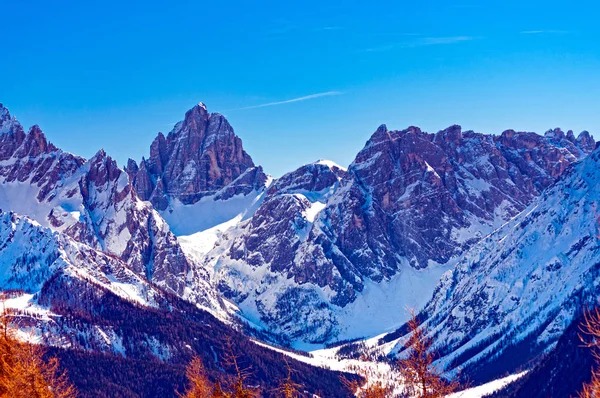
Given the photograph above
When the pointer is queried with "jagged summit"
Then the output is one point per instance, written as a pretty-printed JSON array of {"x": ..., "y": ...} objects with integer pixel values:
[
  {"x": 201, "y": 158},
  {"x": 522, "y": 285},
  {"x": 4, "y": 113},
  {"x": 9, "y": 124},
  {"x": 409, "y": 200},
  {"x": 93, "y": 203}
]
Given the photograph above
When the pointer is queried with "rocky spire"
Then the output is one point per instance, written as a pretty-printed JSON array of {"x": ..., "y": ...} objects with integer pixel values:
[
  {"x": 586, "y": 142},
  {"x": 199, "y": 157}
]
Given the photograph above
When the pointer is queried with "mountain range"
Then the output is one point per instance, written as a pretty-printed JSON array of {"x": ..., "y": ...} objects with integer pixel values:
[{"x": 494, "y": 238}]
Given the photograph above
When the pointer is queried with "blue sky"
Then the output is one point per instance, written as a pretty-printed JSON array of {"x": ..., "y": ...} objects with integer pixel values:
[{"x": 298, "y": 81}]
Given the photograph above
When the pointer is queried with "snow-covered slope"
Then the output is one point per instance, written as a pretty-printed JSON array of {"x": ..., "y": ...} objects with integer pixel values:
[
  {"x": 518, "y": 289},
  {"x": 93, "y": 203},
  {"x": 327, "y": 247},
  {"x": 31, "y": 255}
]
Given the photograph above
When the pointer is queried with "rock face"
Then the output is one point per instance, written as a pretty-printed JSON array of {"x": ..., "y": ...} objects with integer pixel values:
[
  {"x": 519, "y": 289},
  {"x": 87, "y": 265},
  {"x": 413, "y": 197},
  {"x": 198, "y": 158},
  {"x": 77, "y": 298},
  {"x": 253, "y": 260},
  {"x": 93, "y": 203},
  {"x": 409, "y": 200},
  {"x": 32, "y": 255},
  {"x": 274, "y": 233}
]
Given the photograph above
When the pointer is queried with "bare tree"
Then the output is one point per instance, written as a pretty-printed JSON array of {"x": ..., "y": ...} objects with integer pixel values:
[
  {"x": 288, "y": 388},
  {"x": 420, "y": 377},
  {"x": 240, "y": 390},
  {"x": 590, "y": 336}
]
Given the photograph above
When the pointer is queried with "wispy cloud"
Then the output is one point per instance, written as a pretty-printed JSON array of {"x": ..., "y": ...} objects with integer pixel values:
[
  {"x": 539, "y": 32},
  {"x": 422, "y": 41},
  {"x": 325, "y": 28},
  {"x": 289, "y": 101}
]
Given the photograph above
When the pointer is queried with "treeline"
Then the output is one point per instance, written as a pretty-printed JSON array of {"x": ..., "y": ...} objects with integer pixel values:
[
  {"x": 419, "y": 377},
  {"x": 178, "y": 330},
  {"x": 226, "y": 364}
]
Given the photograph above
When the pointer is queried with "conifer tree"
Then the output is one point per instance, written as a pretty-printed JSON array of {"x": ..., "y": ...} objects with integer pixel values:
[
  {"x": 218, "y": 391},
  {"x": 198, "y": 384},
  {"x": 23, "y": 371},
  {"x": 288, "y": 388},
  {"x": 590, "y": 336},
  {"x": 420, "y": 377},
  {"x": 240, "y": 390}
]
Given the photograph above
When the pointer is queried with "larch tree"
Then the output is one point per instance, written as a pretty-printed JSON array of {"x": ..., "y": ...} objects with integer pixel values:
[
  {"x": 218, "y": 391},
  {"x": 590, "y": 336},
  {"x": 420, "y": 377},
  {"x": 240, "y": 389},
  {"x": 23, "y": 371},
  {"x": 198, "y": 384},
  {"x": 288, "y": 388}
]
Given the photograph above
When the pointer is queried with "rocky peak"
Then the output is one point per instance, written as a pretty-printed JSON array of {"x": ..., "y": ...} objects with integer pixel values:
[
  {"x": 586, "y": 142},
  {"x": 93, "y": 203},
  {"x": 451, "y": 134},
  {"x": 103, "y": 169},
  {"x": 199, "y": 157},
  {"x": 132, "y": 168},
  {"x": 379, "y": 135},
  {"x": 556, "y": 134},
  {"x": 507, "y": 136},
  {"x": 412, "y": 197},
  {"x": 4, "y": 114},
  {"x": 195, "y": 118},
  {"x": 12, "y": 134},
  {"x": 314, "y": 177},
  {"x": 34, "y": 144}
]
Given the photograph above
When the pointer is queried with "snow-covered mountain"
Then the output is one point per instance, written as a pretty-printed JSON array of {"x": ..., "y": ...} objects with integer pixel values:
[
  {"x": 94, "y": 272},
  {"x": 93, "y": 202},
  {"x": 31, "y": 255},
  {"x": 199, "y": 175},
  {"x": 98, "y": 314},
  {"x": 409, "y": 202},
  {"x": 513, "y": 294},
  {"x": 254, "y": 260},
  {"x": 318, "y": 255}
]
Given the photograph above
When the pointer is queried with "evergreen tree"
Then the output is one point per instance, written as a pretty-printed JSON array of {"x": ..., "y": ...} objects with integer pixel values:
[
  {"x": 198, "y": 384},
  {"x": 288, "y": 388},
  {"x": 240, "y": 390},
  {"x": 23, "y": 371},
  {"x": 420, "y": 377},
  {"x": 590, "y": 336}
]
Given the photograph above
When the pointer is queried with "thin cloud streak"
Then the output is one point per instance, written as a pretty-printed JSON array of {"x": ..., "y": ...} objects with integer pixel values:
[
  {"x": 325, "y": 28},
  {"x": 425, "y": 41},
  {"x": 299, "y": 99},
  {"x": 538, "y": 32}
]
